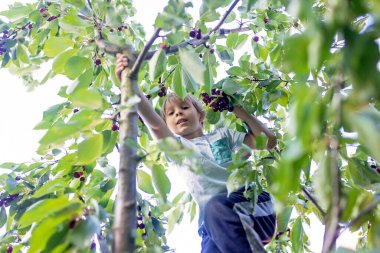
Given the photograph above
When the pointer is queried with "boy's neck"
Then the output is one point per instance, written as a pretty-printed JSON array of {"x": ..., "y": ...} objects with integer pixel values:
[{"x": 193, "y": 135}]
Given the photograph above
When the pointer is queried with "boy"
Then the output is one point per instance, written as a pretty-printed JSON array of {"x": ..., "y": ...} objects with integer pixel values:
[{"x": 228, "y": 224}]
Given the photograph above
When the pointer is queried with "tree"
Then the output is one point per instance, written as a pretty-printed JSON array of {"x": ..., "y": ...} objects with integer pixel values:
[{"x": 308, "y": 67}]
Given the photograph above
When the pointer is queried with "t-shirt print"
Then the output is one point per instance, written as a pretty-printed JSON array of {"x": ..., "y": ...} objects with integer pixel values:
[{"x": 221, "y": 151}]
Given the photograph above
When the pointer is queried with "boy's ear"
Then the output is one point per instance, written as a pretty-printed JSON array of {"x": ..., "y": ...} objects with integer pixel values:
[{"x": 202, "y": 117}]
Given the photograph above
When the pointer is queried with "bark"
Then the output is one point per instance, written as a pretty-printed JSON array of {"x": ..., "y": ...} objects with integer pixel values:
[{"x": 125, "y": 211}]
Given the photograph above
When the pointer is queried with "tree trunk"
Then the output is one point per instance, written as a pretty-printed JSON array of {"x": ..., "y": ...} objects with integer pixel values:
[{"x": 125, "y": 211}]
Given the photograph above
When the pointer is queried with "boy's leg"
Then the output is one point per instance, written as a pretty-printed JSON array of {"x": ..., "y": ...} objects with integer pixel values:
[
  {"x": 208, "y": 245},
  {"x": 223, "y": 225}
]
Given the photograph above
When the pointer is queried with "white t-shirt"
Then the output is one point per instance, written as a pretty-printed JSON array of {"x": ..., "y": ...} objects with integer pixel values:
[{"x": 205, "y": 174}]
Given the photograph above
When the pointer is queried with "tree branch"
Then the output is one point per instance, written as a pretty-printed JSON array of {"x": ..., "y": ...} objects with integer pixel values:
[
  {"x": 216, "y": 28},
  {"x": 363, "y": 213},
  {"x": 314, "y": 201},
  {"x": 143, "y": 53}
]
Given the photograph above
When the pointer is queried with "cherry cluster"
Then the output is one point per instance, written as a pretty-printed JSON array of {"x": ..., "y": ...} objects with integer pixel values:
[
  {"x": 45, "y": 14},
  {"x": 218, "y": 100},
  {"x": 6, "y": 34},
  {"x": 195, "y": 34},
  {"x": 140, "y": 223},
  {"x": 79, "y": 174},
  {"x": 162, "y": 92},
  {"x": 6, "y": 201}
]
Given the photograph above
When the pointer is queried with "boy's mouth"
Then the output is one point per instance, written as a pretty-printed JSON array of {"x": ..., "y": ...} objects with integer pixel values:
[{"x": 181, "y": 121}]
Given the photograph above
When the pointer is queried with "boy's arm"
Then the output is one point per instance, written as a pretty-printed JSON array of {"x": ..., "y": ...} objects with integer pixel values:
[
  {"x": 256, "y": 128},
  {"x": 145, "y": 109}
]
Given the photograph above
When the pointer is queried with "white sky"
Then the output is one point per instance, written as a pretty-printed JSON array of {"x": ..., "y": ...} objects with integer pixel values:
[{"x": 21, "y": 110}]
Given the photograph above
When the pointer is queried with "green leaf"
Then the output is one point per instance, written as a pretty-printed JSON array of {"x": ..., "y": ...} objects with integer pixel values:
[
  {"x": 236, "y": 71},
  {"x": 283, "y": 218},
  {"x": 86, "y": 98},
  {"x": 296, "y": 235},
  {"x": 60, "y": 131},
  {"x": 49, "y": 116},
  {"x": 17, "y": 11},
  {"x": 192, "y": 64},
  {"x": 241, "y": 41},
  {"x": 187, "y": 81},
  {"x": 50, "y": 187},
  {"x": 160, "y": 180},
  {"x": 173, "y": 218},
  {"x": 144, "y": 182},
  {"x": 157, "y": 64},
  {"x": 177, "y": 84},
  {"x": 83, "y": 233},
  {"x": 11, "y": 183},
  {"x": 235, "y": 181},
  {"x": 366, "y": 123},
  {"x": 22, "y": 54},
  {"x": 44, "y": 208},
  {"x": 82, "y": 82},
  {"x": 109, "y": 141},
  {"x": 76, "y": 65},
  {"x": 90, "y": 149},
  {"x": 50, "y": 226},
  {"x": 73, "y": 24},
  {"x": 61, "y": 60},
  {"x": 3, "y": 216},
  {"x": 232, "y": 39},
  {"x": 212, "y": 117},
  {"x": 261, "y": 141},
  {"x": 56, "y": 45}
]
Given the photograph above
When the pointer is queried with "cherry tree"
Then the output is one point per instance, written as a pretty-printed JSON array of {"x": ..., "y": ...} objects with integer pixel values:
[{"x": 308, "y": 68}]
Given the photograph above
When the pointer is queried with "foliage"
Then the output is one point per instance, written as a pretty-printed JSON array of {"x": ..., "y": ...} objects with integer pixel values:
[{"x": 309, "y": 68}]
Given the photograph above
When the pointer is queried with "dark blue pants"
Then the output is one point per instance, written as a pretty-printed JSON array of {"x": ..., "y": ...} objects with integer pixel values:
[{"x": 223, "y": 232}]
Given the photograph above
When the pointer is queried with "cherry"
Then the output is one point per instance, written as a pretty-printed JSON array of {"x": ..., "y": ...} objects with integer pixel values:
[
  {"x": 97, "y": 62},
  {"x": 378, "y": 169},
  {"x": 82, "y": 179},
  {"x": 163, "y": 46},
  {"x": 78, "y": 174},
  {"x": 192, "y": 34},
  {"x": 141, "y": 226},
  {"x": 51, "y": 18},
  {"x": 9, "y": 249},
  {"x": 266, "y": 20},
  {"x": 112, "y": 30},
  {"x": 17, "y": 178},
  {"x": 42, "y": 10},
  {"x": 212, "y": 51},
  {"x": 149, "y": 96},
  {"x": 92, "y": 245},
  {"x": 75, "y": 110},
  {"x": 138, "y": 208},
  {"x": 120, "y": 28},
  {"x": 373, "y": 166},
  {"x": 255, "y": 38},
  {"x": 200, "y": 55},
  {"x": 115, "y": 127},
  {"x": 199, "y": 34}
]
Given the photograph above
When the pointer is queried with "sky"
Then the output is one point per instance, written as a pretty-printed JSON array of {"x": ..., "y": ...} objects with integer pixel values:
[{"x": 21, "y": 110}]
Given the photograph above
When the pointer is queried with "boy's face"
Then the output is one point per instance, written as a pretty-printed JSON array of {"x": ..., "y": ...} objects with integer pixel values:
[{"x": 183, "y": 119}]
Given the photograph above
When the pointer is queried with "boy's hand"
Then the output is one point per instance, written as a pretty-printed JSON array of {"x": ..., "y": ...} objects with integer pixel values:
[{"x": 121, "y": 64}]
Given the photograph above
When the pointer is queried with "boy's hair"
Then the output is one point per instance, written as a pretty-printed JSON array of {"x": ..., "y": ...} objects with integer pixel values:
[{"x": 189, "y": 99}]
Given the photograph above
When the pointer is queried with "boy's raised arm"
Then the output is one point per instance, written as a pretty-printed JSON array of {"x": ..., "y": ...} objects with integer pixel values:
[
  {"x": 145, "y": 109},
  {"x": 256, "y": 127}
]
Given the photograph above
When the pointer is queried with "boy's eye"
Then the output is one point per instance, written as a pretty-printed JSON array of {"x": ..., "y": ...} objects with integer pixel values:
[
  {"x": 170, "y": 113},
  {"x": 185, "y": 107}
]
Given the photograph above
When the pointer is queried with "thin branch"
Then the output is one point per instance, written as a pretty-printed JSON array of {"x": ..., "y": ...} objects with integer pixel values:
[
  {"x": 171, "y": 71},
  {"x": 216, "y": 28},
  {"x": 143, "y": 53},
  {"x": 89, "y": 3},
  {"x": 363, "y": 213},
  {"x": 314, "y": 201}
]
